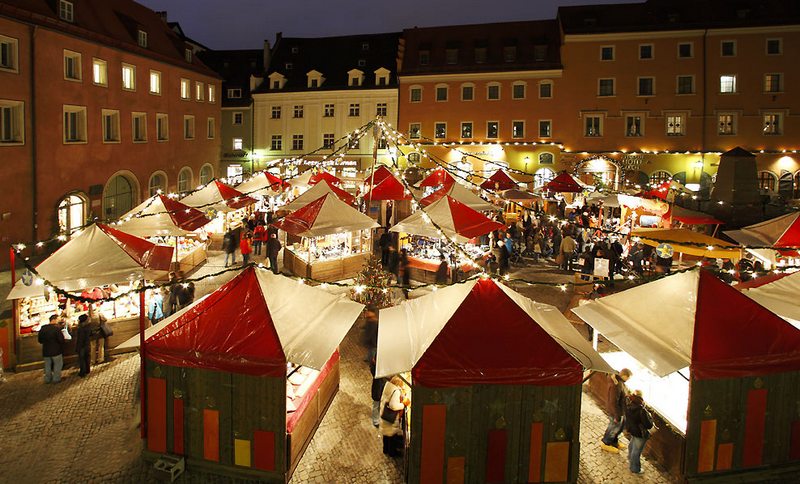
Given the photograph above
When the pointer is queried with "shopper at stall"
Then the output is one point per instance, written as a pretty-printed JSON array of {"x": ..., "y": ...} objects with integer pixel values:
[
  {"x": 273, "y": 247},
  {"x": 83, "y": 345},
  {"x": 441, "y": 271},
  {"x": 567, "y": 250},
  {"x": 52, "y": 340},
  {"x": 259, "y": 236},
  {"x": 383, "y": 243},
  {"x": 393, "y": 261},
  {"x": 98, "y": 340},
  {"x": 405, "y": 271},
  {"x": 155, "y": 311},
  {"x": 502, "y": 261},
  {"x": 638, "y": 423},
  {"x": 376, "y": 392},
  {"x": 174, "y": 290},
  {"x": 617, "y": 396},
  {"x": 391, "y": 407},
  {"x": 229, "y": 244},
  {"x": 245, "y": 248}
]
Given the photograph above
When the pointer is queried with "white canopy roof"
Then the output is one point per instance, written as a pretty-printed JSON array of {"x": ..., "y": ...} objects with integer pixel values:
[
  {"x": 218, "y": 196},
  {"x": 325, "y": 216},
  {"x": 257, "y": 185},
  {"x": 462, "y": 194},
  {"x": 310, "y": 195},
  {"x": 151, "y": 218},
  {"x": 782, "y": 297},
  {"x": 441, "y": 212}
]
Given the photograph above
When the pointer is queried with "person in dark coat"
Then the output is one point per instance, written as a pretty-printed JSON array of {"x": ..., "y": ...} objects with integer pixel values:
[
  {"x": 383, "y": 243},
  {"x": 186, "y": 295},
  {"x": 441, "y": 271},
  {"x": 82, "y": 345},
  {"x": 273, "y": 247},
  {"x": 52, "y": 340},
  {"x": 392, "y": 261},
  {"x": 638, "y": 423},
  {"x": 174, "y": 292},
  {"x": 617, "y": 396},
  {"x": 229, "y": 244},
  {"x": 405, "y": 271},
  {"x": 504, "y": 257},
  {"x": 376, "y": 393}
]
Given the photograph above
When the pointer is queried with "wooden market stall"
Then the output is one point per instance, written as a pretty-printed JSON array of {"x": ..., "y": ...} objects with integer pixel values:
[
  {"x": 778, "y": 293},
  {"x": 499, "y": 181},
  {"x": 388, "y": 198},
  {"x": 774, "y": 241},
  {"x": 317, "y": 190},
  {"x": 484, "y": 407},
  {"x": 686, "y": 242},
  {"x": 334, "y": 239},
  {"x": 97, "y": 262},
  {"x": 238, "y": 383},
  {"x": 223, "y": 204},
  {"x": 461, "y": 193},
  {"x": 720, "y": 372}
]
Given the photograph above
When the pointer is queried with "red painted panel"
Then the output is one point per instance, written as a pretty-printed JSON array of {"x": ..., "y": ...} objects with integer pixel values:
[
  {"x": 794, "y": 447},
  {"x": 264, "y": 450},
  {"x": 211, "y": 434},
  {"x": 496, "y": 456},
  {"x": 156, "y": 415},
  {"x": 754, "y": 423},
  {"x": 431, "y": 467},
  {"x": 177, "y": 426},
  {"x": 724, "y": 457},
  {"x": 707, "y": 446},
  {"x": 535, "y": 456}
]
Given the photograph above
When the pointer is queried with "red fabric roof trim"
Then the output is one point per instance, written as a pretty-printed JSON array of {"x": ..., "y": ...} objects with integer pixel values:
[
  {"x": 182, "y": 215},
  {"x": 274, "y": 180},
  {"x": 302, "y": 219},
  {"x": 381, "y": 173},
  {"x": 231, "y": 330},
  {"x": 438, "y": 177},
  {"x": 145, "y": 253},
  {"x": 491, "y": 340},
  {"x": 563, "y": 183},
  {"x": 343, "y": 195},
  {"x": 499, "y": 181},
  {"x": 388, "y": 189},
  {"x": 791, "y": 237},
  {"x": 760, "y": 281},
  {"x": 690, "y": 218},
  {"x": 736, "y": 337},
  {"x": 660, "y": 191},
  {"x": 437, "y": 195},
  {"x": 233, "y": 197},
  {"x": 469, "y": 222},
  {"x": 324, "y": 175}
]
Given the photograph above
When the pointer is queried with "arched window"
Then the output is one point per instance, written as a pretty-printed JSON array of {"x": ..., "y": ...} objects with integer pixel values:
[
  {"x": 206, "y": 174},
  {"x": 119, "y": 197},
  {"x": 185, "y": 180},
  {"x": 660, "y": 176},
  {"x": 158, "y": 182},
  {"x": 767, "y": 180},
  {"x": 542, "y": 176},
  {"x": 71, "y": 213},
  {"x": 545, "y": 158}
]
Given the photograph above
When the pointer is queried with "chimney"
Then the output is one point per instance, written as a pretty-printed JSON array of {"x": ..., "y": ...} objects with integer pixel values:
[
  {"x": 162, "y": 14},
  {"x": 267, "y": 55}
]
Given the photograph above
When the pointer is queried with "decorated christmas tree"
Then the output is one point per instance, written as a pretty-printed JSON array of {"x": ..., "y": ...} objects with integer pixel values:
[{"x": 372, "y": 286}]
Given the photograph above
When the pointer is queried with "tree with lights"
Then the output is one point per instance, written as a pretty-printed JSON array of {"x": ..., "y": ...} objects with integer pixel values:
[{"x": 372, "y": 286}]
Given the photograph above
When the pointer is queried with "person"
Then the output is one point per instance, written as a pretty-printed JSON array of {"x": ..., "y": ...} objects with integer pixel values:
[
  {"x": 245, "y": 248},
  {"x": 638, "y": 423},
  {"x": 405, "y": 271},
  {"x": 229, "y": 243},
  {"x": 567, "y": 250},
  {"x": 186, "y": 295},
  {"x": 273, "y": 247},
  {"x": 504, "y": 257},
  {"x": 174, "y": 290},
  {"x": 391, "y": 407},
  {"x": 383, "y": 243},
  {"x": 259, "y": 235},
  {"x": 588, "y": 264},
  {"x": 371, "y": 332},
  {"x": 509, "y": 241},
  {"x": 441, "y": 271},
  {"x": 389, "y": 211},
  {"x": 393, "y": 261},
  {"x": 83, "y": 345},
  {"x": 52, "y": 340},
  {"x": 617, "y": 394},
  {"x": 156, "y": 311},
  {"x": 376, "y": 393},
  {"x": 97, "y": 352}
]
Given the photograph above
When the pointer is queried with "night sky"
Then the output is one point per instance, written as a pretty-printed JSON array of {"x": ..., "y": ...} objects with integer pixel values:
[{"x": 244, "y": 24}]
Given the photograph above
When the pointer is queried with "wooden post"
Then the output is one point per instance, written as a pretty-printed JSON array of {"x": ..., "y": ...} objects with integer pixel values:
[{"x": 142, "y": 352}]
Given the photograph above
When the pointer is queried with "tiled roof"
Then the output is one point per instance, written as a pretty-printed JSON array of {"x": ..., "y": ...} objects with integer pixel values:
[{"x": 235, "y": 67}]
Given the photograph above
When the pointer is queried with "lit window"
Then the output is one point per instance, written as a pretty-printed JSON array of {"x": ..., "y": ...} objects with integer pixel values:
[
  {"x": 12, "y": 125},
  {"x": 66, "y": 11},
  {"x": 74, "y": 124},
  {"x": 634, "y": 125},
  {"x": 466, "y": 130},
  {"x": 100, "y": 72},
  {"x": 440, "y": 130},
  {"x": 492, "y": 129},
  {"x": 518, "y": 129},
  {"x": 542, "y": 177},
  {"x": 414, "y": 131},
  {"x": 235, "y": 93},
  {"x": 275, "y": 113},
  {"x": 142, "y": 39},
  {"x": 726, "y": 124},
  {"x": 71, "y": 214},
  {"x": 237, "y": 143},
  {"x": 188, "y": 127},
  {"x": 139, "y": 128},
  {"x": 659, "y": 177},
  {"x": 128, "y": 77},
  {"x": 72, "y": 66},
  {"x": 155, "y": 82},
  {"x": 158, "y": 183},
  {"x": 772, "y": 83},
  {"x": 211, "y": 128},
  {"x": 297, "y": 142},
  {"x": 9, "y": 54},
  {"x": 162, "y": 127},
  {"x": 773, "y": 124},
  {"x": 675, "y": 124},
  {"x": 766, "y": 181},
  {"x": 546, "y": 158},
  {"x": 186, "y": 90},
  {"x": 276, "y": 142},
  {"x": 727, "y": 84},
  {"x": 212, "y": 93},
  {"x": 110, "y": 126},
  {"x": 199, "y": 91},
  {"x": 593, "y": 126}
]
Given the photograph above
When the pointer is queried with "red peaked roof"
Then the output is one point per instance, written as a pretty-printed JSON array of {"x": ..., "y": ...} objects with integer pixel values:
[
  {"x": 302, "y": 219},
  {"x": 183, "y": 216},
  {"x": 343, "y": 195},
  {"x": 381, "y": 173},
  {"x": 274, "y": 180},
  {"x": 233, "y": 197},
  {"x": 437, "y": 177},
  {"x": 324, "y": 175},
  {"x": 499, "y": 181},
  {"x": 491, "y": 340},
  {"x": 563, "y": 183},
  {"x": 690, "y": 217},
  {"x": 145, "y": 253},
  {"x": 469, "y": 222},
  {"x": 734, "y": 336},
  {"x": 660, "y": 191},
  {"x": 389, "y": 188}
]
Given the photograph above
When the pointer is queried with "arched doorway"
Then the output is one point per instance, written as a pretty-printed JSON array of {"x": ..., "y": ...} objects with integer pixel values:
[
  {"x": 119, "y": 197},
  {"x": 598, "y": 171},
  {"x": 71, "y": 213}
]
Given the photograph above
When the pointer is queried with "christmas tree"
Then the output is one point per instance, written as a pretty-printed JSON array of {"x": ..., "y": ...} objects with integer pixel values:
[{"x": 372, "y": 286}]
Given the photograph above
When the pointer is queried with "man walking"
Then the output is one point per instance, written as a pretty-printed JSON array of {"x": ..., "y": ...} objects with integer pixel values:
[
  {"x": 617, "y": 395},
  {"x": 52, "y": 340},
  {"x": 638, "y": 423},
  {"x": 568, "y": 246},
  {"x": 273, "y": 247},
  {"x": 229, "y": 244},
  {"x": 83, "y": 345}
]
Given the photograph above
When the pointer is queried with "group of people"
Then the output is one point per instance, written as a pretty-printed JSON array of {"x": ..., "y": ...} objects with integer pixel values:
[
  {"x": 628, "y": 414},
  {"x": 91, "y": 338},
  {"x": 253, "y": 237}
]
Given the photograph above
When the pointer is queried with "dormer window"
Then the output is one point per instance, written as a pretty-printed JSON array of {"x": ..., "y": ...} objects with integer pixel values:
[
  {"x": 141, "y": 39},
  {"x": 382, "y": 76},
  {"x": 66, "y": 11},
  {"x": 314, "y": 79},
  {"x": 187, "y": 54},
  {"x": 355, "y": 78},
  {"x": 295, "y": 50},
  {"x": 364, "y": 45},
  {"x": 277, "y": 80},
  {"x": 288, "y": 66},
  {"x": 361, "y": 62}
]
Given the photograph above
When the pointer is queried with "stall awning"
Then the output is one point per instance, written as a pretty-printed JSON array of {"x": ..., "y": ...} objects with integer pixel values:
[
  {"x": 253, "y": 325},
  {"x": 780, "y": 295},
  {"x": 690, "y": 217},
  {"x": 460, "y": 193},
  {"x": 381, "y": 173},
  {"x": 694, "y": 319},
  {"x": 455, "y": 219},
  {"x": 160, "y": 215},
  {"x": 564, "y": 183},
  {"x": 317, "y": 191},
  {"x": 437, "y": 177},
  {"x": 499, "y": 180},
  {"x": 218, "y": 196},
  {"x": 688, "y": 242},
  {"x": 324, "y": 176},
  {"x": 783, "y": 231},
  {"x": 96, "y": 256},
  {"x": 325, "y": 216},
  {"x": 482, "y": 332},
  {"x": 262, "y": 184},
  {"x": 518, "y": 195},
  {"x": 389, "y": 188}
]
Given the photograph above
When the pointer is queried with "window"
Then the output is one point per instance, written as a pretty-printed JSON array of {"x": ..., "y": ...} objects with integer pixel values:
[
  {"x": 199, "y": 91},
  {"x": 772, "y": 83},
  {"x": 188, "y": 127},
  {"x": 545, "y": 90},
  {"x": 355, "y": 80},
  {"x": 685, "y": 50},
  {"x": 110, "y": 126},
  {"x": 155, "y": 82},
  {"x": 774, "y": 46},
  {"x": 381, "y": 109},
  {"x": 728, "y": 48},
  {"x": 634, "y": 125},
  {"x": 235, "y": 93},
  {"x": 685, "y": 85},
  {"x": 72, "y": 65},
  {"x": 607, "y": 53},
  {"x": 727, "y": 84},
  {"x": 162, "y": 127},
  {"x": 440, "y": 130},
  {"x": 593, "y": 125},
  {"x": 295, "y": 49},
  {"x": 424, "y": 57},
  {"x": 355, "y": 110},
  {"x": 119, "y": 197},
  {"x": 539, "y": 52},
  {"x": 12, "y": 122},
  {"x": 480, "y": 55},
  {"x": 647, "y": 86},
  {"x": 364, "y": 45},
  {"x": 542, "y": 177},
  {"x": 276, "y": 84},
  {"x": 766, "y": 181},
  {"x": 493, "y": 92},
  {"x": 277, "y": 142},
  {"x": 545, "y": 128},
  {"x": 441, "y": 93},
  {"x": 128, "y": 77},
  {"x": 100, "y": 72},
  {"x": 546, "y": 158},
  {"x": 211, "y": 128},
  {"x": 329, "y": 111},
  {"x": 9, "y": 54},
  {"x": 206, "y": 174},
  {"x": 675, "y": 124},
  {"x": 646, "y": 51},
  {"x": 492, "y": 129},
  {"x": 238, "y": 117},
  {"x": 416, "y": 94},
  {"x": 186, "y": 92},
  {"x": 362, "y": 62},
  {"x": 466, "y": 130},
  {"x": 139, "y": 127},
  {"x": 212, "y": 93},
  {"x": 71, "y": 213},
  {"x": 238, "y": 144},
  {"x": 298, "y": 111},
  {"x": 518, "y": 129},
  {"x": 187, "y": 55},
  {"x": 773, "y": 124},
  {"x": 660, "y": 176},
  {"x": 467, "y": 92},
  {"x": 518, "y": 91},
  {"x": 66, "y": 11},
  {"x": 726, "y": 123},
  {"x": 184, "y": 180},
  {"x": 74, "y": 124},
  {"x": 314, "y": 83},
  {"x": 605, "y": 87},
  {"x": 327, "y": 140},
  {"x": 157, "y": 184},
  {"x": 276, "y": 113},
  {"x": 383, "y": 144},
  {"x": 414, "y": 131},
  {"x": 297, "y": 142},
  {"x": 510, "y": 53},
  {"x": 141, "y": 39},
  {"x": 451, "y": 56}
]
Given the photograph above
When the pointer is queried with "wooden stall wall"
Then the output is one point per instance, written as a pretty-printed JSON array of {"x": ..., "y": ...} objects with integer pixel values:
[
  {"x": 744, "y": 428},
  {"x": 494, "y": 434}
]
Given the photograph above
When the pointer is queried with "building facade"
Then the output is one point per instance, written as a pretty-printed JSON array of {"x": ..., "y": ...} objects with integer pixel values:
[
  {"x": 316, "y": 91},
  {"x": 102, "y": 105}
]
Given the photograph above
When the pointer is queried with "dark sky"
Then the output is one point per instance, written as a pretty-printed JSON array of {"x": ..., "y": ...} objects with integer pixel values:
[{"x": 244, "y": 24}]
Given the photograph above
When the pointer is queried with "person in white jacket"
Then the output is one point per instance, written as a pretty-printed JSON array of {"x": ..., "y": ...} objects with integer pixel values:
[{"x": 391, "y": 409}]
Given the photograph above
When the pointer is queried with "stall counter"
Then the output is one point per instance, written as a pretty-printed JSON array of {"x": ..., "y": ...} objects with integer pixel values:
[{"x": 324, "y": 270}]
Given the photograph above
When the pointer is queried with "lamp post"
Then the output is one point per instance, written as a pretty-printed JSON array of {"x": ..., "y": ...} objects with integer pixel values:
[{"x": 527, "y": 159}]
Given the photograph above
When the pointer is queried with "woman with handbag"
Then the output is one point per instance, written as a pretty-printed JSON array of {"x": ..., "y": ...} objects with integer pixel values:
[{"x": 391, "y": 409}]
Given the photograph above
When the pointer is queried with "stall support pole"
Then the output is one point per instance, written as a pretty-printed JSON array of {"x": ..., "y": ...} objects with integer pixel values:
[
  {"x": 12, "y": 259},
  {"x": 142, "y": 352}
]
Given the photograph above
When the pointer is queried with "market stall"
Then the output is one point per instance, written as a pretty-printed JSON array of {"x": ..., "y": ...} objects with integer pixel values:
[
  {"x": 687, "y": 242},
  {"x": 97, "y": 262},
  {"x": 436, "y": 178},
  {"x": 779, "y": 294},
  {"x": 262, "y": 184},
  {"x": 224, "y": 205},
  {"x": 564, "y": 183},
  {"x": 484, "y": 407},
  {"x": 461, "y": 193},
  {"x": 388, "y": 198},
  {"x": 781, "y": 233},
  {"x": 318, "y": 190},
  {"x": 499, "y": 181},
  {"x": 334, "y": 239},
  {"x": 688, "y": 217},
  {"x": 238, "y": 383},
  {"x": 720, "y": 372}
]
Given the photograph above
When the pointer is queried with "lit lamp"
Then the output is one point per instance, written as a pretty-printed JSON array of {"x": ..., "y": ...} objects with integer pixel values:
[
  {"x": 527, "y": 159},
  {"x": 695, "y": 187}
]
